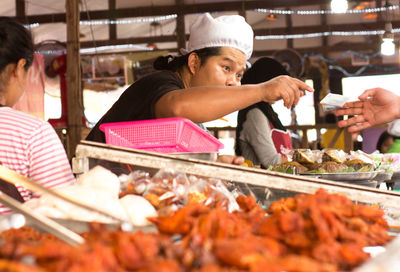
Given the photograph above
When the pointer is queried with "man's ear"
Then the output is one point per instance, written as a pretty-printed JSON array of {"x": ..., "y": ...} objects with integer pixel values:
[{"x": 193, "y": 63}]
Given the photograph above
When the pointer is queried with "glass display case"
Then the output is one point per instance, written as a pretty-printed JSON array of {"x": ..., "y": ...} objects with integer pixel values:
[{"x": 266, "y": 185}]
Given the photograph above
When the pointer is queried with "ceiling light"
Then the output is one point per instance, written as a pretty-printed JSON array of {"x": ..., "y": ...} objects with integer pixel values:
[
  {"x": 339, "y": 6},
  {"x": 359, "y": 6},
  {"x": 388, "y": 47},
  {"x": 370, "y": 15},
  {"x": 363, "y": 5},
  {"x": 152, "y": 46}
]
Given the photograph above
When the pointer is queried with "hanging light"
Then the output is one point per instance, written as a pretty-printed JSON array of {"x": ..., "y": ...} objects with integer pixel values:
[
  {"x": 387, "y": 46},
  {"x": 339, "y": 6},
  {"x": 152, "y": 46},
  {"x": 370, "y": 15}
]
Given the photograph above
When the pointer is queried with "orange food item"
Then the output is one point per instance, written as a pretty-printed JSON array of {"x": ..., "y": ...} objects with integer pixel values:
[{"x": 309, "y": 232}]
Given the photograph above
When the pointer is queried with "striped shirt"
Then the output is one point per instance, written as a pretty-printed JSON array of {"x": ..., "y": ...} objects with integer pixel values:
[{"x": 30, "y": 146}]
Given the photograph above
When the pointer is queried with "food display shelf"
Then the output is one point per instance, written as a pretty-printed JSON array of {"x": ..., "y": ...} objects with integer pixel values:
[
  {"x": 90, "y": 154},
  {"x": 87, "y": 153}
]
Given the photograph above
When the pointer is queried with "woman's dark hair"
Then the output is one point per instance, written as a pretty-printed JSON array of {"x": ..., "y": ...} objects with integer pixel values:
[
  {"x": 384, "y": 136},
  {"x": 15, "y": 43},
  {"x": 262, "y": 70},
  {"x": 175, "y": 64}
]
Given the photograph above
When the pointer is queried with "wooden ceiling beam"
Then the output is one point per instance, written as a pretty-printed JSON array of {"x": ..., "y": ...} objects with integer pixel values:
[
  {"x": 173, "y": 9},
  {"x": 360, "y": 47},
  {"x": 324, "y": 28},
  {"x": 257, "y": 32},
  {"x": 137, "y": 40}
]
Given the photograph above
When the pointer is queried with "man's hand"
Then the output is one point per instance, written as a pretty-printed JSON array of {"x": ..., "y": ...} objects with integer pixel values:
[
  {"x": 284, "y": 87},
  {"x": 231, "y": 159}
]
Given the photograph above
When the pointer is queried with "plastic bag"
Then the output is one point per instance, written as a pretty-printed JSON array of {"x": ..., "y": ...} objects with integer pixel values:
[{"x": 168, "y": 190}]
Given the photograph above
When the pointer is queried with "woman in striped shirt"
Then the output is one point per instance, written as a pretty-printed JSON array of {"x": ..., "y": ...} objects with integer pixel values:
[{"x": 28, "y": 145}]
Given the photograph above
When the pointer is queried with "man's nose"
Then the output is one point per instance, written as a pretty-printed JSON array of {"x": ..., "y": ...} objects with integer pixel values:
[{"x": 232, "y": 81}]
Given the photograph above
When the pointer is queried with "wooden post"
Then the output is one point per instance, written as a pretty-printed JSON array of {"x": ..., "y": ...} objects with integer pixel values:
[
  {"x": 242, "y": 11},
  {"x": 289, "y": 25},
  {"x": 112, "y": 28},
  {"x": 324, "y": 23},
  {"x": 73, "y": 77},
  {"x": 180, "y": 26},
  {"x": 20, "y": 11},
  {"x": 348, "y": 141},
  {"x": 304, "y": 139}
]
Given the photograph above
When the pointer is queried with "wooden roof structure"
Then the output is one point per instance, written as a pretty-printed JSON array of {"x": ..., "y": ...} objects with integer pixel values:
[
  {"x": 171, "y": 34},
  {"x": 127, "y": 22}
]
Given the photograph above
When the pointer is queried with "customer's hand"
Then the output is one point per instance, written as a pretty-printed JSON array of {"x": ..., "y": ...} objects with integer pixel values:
[
  {"x": 284, "y": 87},
  {"x": 376, "y": 106}
]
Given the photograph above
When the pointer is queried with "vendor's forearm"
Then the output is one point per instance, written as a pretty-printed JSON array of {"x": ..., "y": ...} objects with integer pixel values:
[{"x": 203, "y": 104}]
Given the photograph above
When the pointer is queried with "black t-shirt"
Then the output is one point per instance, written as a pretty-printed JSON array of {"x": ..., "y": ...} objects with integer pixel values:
[{"x": 137, "y": 102}]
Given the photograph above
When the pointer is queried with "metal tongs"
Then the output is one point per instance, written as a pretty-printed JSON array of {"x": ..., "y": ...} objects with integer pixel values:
[
  {"x": 42, "y": 222},
  {"x": 17, "y": 179}
]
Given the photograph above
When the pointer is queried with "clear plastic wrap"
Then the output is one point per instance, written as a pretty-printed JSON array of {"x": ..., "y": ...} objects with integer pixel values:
[{"x": 168, "y": 190}]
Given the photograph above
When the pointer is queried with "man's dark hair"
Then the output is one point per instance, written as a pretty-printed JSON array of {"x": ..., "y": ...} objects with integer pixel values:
[{"x": 175, "y": 64}]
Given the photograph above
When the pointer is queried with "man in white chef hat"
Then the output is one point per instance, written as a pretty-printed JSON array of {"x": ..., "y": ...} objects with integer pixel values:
[
  {"x": 203, "y": 84},
  {"x": 229, "y": 31}
]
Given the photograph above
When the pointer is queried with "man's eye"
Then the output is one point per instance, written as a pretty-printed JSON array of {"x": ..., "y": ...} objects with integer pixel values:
[
  {"x": 227, "y": 68},
  {"x": 239, "y": 76}
]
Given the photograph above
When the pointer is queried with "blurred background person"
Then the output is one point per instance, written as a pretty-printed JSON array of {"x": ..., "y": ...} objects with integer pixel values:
[
  {"x": 260, "y": 134},
  {"x": 389, "y": 142},
  {"x": 385, "y": 141},
  {"x": 394, "y": 131}
]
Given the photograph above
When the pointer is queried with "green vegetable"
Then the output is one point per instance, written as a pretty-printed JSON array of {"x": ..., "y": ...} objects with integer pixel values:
[{"x": 318, "y": 171}]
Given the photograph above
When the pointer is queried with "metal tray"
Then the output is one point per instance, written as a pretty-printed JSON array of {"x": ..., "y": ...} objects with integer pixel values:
[
  {"x": 346, "y": 176},
  {"x": 212, "y": 156},
  {"x": 384, "y": 176}
]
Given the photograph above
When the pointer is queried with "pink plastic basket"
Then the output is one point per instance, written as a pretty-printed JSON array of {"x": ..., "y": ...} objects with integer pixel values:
[{"x": 167, "y": 135}]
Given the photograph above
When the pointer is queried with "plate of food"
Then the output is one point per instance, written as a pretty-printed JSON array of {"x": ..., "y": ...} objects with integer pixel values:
[{"x": 331, "y": 164}]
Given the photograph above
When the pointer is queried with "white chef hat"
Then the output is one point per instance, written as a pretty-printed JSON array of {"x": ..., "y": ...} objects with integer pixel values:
[
  {"x": 227, "y": 30},
  {"x": 394, "y": 128}
]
